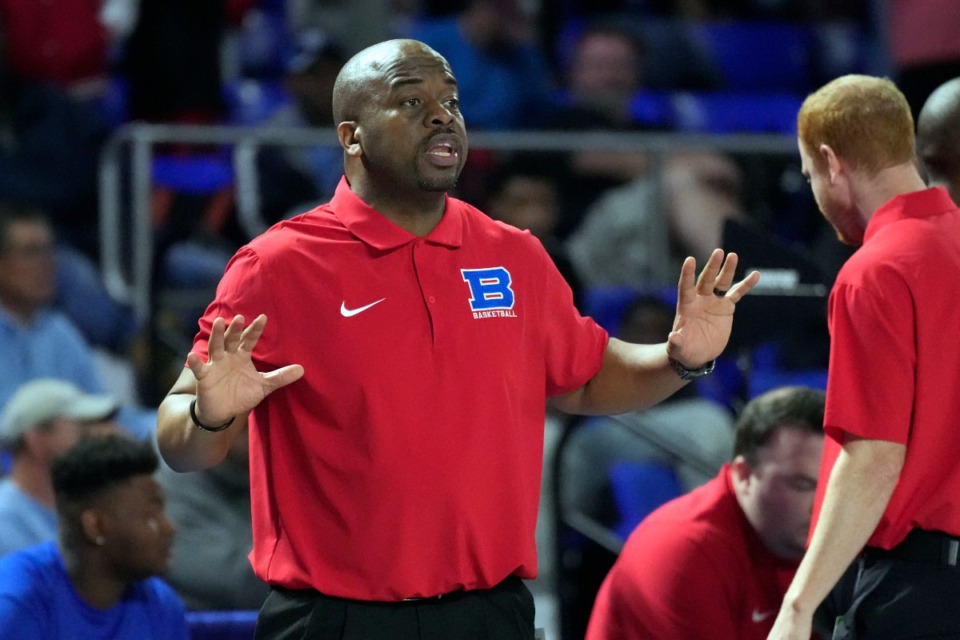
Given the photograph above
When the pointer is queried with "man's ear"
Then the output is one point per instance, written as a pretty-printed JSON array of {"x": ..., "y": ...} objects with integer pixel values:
[
  {"x": 834, "y": 167},
  {"x": 91, "y": 524},
  {"x": 349, "y": 134},
  {"x": 740, "y": 471}
]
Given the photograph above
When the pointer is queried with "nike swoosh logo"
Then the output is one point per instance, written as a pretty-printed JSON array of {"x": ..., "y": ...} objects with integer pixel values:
[
  {"x": 347, "y": 313},
  {"x": 760, "y": 616}
]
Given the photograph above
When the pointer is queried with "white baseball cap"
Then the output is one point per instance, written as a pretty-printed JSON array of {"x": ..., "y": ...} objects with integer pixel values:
[{"x": 45, "y": 399}]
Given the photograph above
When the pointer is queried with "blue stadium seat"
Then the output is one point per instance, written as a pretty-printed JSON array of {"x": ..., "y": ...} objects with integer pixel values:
[
  {"x": 607, "y": 304},
  {"x": 760, "y": 55},
  {"x": 639, "y": 488},
  {"x": 194, "y": 173},
  {"x": 735, "y": 112},
  {"x": 653, "y": 109},
  {"x": 768, "y": 373},
  {"x": 221, "y": 625}
]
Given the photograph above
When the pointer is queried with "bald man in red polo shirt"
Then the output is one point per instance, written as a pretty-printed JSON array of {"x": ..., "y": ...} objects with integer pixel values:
[{"x": 395, "y": 468}]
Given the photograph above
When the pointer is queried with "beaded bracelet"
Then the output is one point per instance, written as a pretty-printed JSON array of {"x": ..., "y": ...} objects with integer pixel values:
[{"x": 203, "y": 427}]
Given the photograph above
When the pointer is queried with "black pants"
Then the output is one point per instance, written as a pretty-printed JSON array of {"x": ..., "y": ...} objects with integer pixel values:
[
  {"x": 505, "y": 612},
  {"x": 911, "y": 592}
]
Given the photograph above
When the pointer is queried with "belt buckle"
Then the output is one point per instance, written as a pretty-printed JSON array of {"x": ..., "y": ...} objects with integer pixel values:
[
  {"x": 949, "y": 551},
  {"x": 437, "y": 597}
]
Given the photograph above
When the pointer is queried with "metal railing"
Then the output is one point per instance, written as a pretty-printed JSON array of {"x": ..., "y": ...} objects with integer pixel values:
[{"x": 134, "y": 146}]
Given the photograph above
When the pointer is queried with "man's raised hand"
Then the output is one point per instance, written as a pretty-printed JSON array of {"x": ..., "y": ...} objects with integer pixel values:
[
  {"x": 228, "y": 384},
  {"x": 705, "y": 307}
]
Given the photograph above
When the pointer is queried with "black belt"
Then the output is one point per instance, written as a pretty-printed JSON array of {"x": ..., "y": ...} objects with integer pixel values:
[{"x": 932, "y": 547}]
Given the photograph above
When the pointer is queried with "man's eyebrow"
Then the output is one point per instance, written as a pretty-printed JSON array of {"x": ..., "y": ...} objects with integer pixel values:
[
  {"x": 397, "y": 83},
  {"x": 400, "y": 82}
]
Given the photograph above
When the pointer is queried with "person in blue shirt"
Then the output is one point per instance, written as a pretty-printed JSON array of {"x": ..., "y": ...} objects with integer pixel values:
[
  {"x": 43, "y": 419},
  {"x": 36, "y": 339},
  {"x": 503, "y": 75},
  {"x": 100, "y": 579}
]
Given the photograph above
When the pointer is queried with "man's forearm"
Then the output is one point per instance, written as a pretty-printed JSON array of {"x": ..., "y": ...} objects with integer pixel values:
[
  {"x": 184, "y": 446},
  {"x": 633, "y": 377}
]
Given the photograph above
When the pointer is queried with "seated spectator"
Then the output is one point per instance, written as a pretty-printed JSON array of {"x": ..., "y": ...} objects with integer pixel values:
[
  {"x": 294, "y": 179},
  {"x": 502, "y": 75},
  {"x": 106, "y": 323},
  {"x": 67, "y": 43},
  {"x": 49, "y": 153},
  {"x": 99, "y": 580},
  {"x": 43, "y": 419},
  {"x": 938, "y": 137},
  {"x": 36, "y": 340},
  {"x": 527, "y": 197},
  {"x": 715, "y": 563},
  {"x": 624, "y": 224},
  {"x": 687, "y": 433},
  {"x": 601, "y": 77},
  {"x": 173, "y": 59},
  {"x": 213, "y": 505}
]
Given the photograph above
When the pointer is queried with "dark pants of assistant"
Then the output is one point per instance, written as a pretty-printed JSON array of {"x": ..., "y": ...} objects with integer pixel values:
[
  {"x": 909, "y": 592},
  {"x": 505, "y": 612}
]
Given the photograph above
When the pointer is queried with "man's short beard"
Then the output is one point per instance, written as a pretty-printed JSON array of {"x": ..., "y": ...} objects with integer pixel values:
[{"x": 438, "y": 184}]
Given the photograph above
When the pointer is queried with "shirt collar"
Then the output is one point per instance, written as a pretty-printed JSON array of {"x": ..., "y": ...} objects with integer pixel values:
[
  {"x": 916, "y": 204},
  {"x": 373, "y": 228}
]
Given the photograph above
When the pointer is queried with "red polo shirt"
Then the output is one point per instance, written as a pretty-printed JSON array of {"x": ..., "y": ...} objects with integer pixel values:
[
  {"x": 407, "y": 460},
  {"x": 894, "y": 370},
  {"x": 694, "y": 569}
]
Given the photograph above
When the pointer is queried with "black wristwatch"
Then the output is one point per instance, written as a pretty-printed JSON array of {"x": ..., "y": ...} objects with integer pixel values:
[{"x": 692, "y": 374}]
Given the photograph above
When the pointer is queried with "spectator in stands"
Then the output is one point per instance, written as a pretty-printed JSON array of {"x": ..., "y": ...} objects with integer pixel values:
[
  {"x": 714, "y": 564},
  {"x": 99, "y": 580},
  {"x": 687, "y": 433},
  {"x": 49, "y": 151},
  {"x": 938, "y": 137},
  {"x": 366, "y": 21},
  {"x": 527, "y": 196},
  {"x": 637, "y": 225},
  {"x": 296, "y": 178},
  {"x": 503, "y": 76},
  {"x": 43, "y": 419},
  {"x": 108, "y": 324},
  {"x": 67, "y": 43},
  {"x": 105, "y": 322},
  {"x": 36, "y": 340},
  {"x": 173, "y": 59},
  {"x": 602, "y": 76},
  {"x": 213, "y": 505},
  {"x": 675, "y": 58}
]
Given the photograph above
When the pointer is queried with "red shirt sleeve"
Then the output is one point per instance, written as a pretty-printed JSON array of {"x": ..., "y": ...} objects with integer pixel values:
[{"x": 872, "y": 335}]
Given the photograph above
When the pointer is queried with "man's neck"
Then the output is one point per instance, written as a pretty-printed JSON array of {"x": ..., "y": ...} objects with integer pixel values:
[
  {"x": 33, "y": 478},
  {"x": 93, "y": 582},
  {"x": 872, "y": 193},
  {"x": 418, "y": 214},
  {"x": 21, "y": 314}
]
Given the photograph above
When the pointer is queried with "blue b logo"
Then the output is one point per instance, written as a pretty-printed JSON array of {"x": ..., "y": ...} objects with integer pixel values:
[{"x": 489, "y": 288}]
